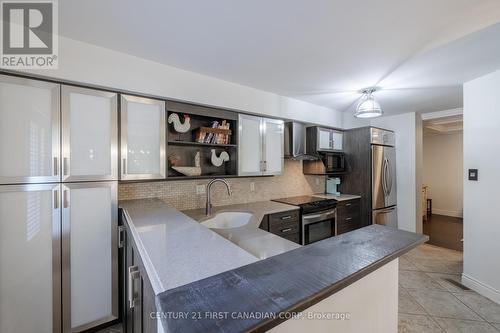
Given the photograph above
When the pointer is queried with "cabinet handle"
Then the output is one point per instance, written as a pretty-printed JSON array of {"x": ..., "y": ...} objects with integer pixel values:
[
  {"x": 65, "y": 166},
  {"x": 65, "y": 199},
  {"x": 286, "y": 230},
  {"x": 56, "y": 166},
  {"x": 121, "y": 236},
  {"x": 286, "y": 217},
  {"x": 133, "y": 273},
  {"x": 347, "y": 204},
  {"x": 124, "y": 168},
  {"x": 56, "y": 199},
  {"x": 348, "y": 218}
]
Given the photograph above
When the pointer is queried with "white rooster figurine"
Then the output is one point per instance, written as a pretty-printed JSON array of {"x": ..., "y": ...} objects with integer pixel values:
[
  {"x": 217, "y": 161},
  {"x": 178, "y": 126}
]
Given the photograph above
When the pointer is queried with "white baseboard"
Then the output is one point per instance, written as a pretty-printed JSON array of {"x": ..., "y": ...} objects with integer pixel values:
[
  {"x": 481, "y": 288},
  {"x": 445, "y": 212}
]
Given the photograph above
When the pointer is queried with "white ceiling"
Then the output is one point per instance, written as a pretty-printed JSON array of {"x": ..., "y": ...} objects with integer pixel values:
[{"x": 418, "y": 52}]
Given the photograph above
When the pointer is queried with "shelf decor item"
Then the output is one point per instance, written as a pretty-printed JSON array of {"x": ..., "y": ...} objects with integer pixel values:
[
  {"x": 178, "y": 126},
  {"x": 219, "y": 160},
  {"x": 215, "y": 134},
  {"x": 190, "y": 171}
]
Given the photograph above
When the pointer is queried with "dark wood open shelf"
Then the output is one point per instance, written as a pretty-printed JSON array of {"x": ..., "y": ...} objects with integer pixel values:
[{"x": 201, "y": 144}]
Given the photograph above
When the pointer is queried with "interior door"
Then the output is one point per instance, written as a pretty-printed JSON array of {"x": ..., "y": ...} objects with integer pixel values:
[
  {"x": 30, "y": 259},
  {"x": 386, "y": 216},
  {"x": 90, "y": 134},
  {"x": 250, "y": 145},
  {"x": 90, "y": 255},
  {"x": 273, "y": 146},
  {"x": 142, "y": 138},
  {"x": 29, "y": 131},
  {"x": 390, "y": 176}
]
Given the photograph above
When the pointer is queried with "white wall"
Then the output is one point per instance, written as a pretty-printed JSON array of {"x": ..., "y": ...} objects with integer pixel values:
[
  {"x": 405, "y": 127},
  {"x": 481, "y": 198},
  {"x": 443, "y": 172},
  {"x": 86, "y": 63}
]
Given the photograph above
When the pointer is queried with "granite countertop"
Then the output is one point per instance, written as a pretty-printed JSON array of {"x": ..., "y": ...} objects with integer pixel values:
[
  {"x": 175, "y": 249},
  {"x": 342, "y": 197},
  {"x": 260, "y": 243},
  {"x": 290, "y": 282}
]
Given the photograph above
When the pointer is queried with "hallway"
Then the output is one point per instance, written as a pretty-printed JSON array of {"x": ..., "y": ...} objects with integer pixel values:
[{"x": 444, "y": 231}]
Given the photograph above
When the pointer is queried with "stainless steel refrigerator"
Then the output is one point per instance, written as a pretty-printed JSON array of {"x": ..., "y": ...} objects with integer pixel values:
[
  {"x": 384, "y": 194},
  {"x": 371, "y": 164}
]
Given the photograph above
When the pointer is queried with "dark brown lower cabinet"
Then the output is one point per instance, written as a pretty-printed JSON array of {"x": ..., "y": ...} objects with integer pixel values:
[
  {"x": 348, "y": 216},
  {"x": 138, "y": 295},
  {"x": 285, "y": 224}
]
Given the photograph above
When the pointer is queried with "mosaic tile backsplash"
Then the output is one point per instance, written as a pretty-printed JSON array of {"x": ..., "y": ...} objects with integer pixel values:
[{"x": 182, "y": 193}]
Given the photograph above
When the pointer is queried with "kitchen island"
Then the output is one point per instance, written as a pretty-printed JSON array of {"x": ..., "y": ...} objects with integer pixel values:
[{"x": 237, "y": 292}]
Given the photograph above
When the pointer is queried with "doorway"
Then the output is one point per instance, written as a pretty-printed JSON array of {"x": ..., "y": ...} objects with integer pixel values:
[{"x": 442, "y": 190}]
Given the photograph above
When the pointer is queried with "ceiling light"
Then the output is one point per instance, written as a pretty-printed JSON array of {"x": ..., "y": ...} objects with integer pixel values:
[{"x": 368, "y": 107}]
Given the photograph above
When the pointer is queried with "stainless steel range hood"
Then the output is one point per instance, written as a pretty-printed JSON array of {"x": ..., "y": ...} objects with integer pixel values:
[{"x": 295, "y": 142}]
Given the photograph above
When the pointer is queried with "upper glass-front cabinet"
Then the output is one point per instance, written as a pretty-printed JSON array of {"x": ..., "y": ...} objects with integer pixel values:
[
  {"x": 29, "y": 131},
  {"x": 260, "y": 146},
  {"x": 90, "y": 134},
  {"x": 142, "y": 138}
]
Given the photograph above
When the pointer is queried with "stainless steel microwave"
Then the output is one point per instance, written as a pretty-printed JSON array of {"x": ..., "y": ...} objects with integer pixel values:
[{"x": 334, "y": 162}]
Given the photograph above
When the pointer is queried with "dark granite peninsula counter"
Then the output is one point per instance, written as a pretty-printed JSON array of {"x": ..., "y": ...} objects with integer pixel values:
[{"x": 348, "y": 282}]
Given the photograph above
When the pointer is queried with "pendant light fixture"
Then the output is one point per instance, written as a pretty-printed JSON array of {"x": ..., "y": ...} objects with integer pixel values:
[{"x": 368, "y": 107}]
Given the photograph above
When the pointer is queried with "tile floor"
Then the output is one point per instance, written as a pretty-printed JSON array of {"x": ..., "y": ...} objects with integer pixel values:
[{"x": 428, "y": 302}]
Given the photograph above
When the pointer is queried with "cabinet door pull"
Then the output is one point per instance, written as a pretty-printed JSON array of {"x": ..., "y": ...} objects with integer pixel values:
[
  {"x": 124, "y": 168},
  {"x": 286, "y": 217},
  {"x": 348, "y": 218},
  {"x": 121, "y": 236},
  {"x": 65, "y": 166},
  {"x": 133, "y": 273},
  {"x": 56, "y": 199},
  {"x": 56, "y": 166},
  {"x": 286, "y": 230},
  {"x": 65, "y": 199},
  {"x": 348, "y": 204}
]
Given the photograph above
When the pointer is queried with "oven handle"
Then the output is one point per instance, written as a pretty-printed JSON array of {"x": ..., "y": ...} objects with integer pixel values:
[{"x": 308, "y": 219}]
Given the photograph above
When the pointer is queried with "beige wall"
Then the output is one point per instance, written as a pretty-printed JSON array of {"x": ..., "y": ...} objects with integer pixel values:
[
  {"x": 443, "y": 172},
  {"x": 182, "y": 194}
]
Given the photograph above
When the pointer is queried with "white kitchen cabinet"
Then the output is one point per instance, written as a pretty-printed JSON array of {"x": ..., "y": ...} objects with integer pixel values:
[
  {"x": 89, "y": 254},
  {"x": 273, "y": 146},
  {"x": 30, "y": 254},
  {"x": 250, "y": 145},
  {"x": 29, "y": 131},
  {"x": 142, "y": 138},
  {"x": 89, "y": 134},
  {"x": 260, "y": 146},
  {"x": 323, "y": 139}
]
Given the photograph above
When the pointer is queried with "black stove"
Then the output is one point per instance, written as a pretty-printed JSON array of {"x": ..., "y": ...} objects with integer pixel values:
[{"x": 309, "y": 203}]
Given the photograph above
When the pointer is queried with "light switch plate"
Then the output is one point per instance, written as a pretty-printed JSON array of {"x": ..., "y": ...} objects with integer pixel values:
[
  {"x": 473, "y": 174},
  {"x": 252, "y": 187},
  {"x": 200, "y": 189}
]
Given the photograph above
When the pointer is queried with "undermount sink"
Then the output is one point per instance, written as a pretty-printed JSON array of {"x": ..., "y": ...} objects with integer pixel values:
[{"x": 228, "y": 220}]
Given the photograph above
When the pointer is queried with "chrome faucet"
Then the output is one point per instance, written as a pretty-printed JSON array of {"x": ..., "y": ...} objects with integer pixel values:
[{"x": 208, "y": 210}]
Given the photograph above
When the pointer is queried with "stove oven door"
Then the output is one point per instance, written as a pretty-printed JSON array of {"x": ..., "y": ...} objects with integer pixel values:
[{"x": 318, "y": 226}]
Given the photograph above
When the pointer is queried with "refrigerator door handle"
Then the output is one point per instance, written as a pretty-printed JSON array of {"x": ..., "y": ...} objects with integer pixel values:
[
  {"x": 384, "y": 177},
  {"x": 389, "y": 178}
]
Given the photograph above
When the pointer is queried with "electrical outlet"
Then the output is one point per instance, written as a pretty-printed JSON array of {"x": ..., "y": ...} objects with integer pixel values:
[
  {"x": 200, "y": 189},
  {"x": 252, "y": 187}
]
